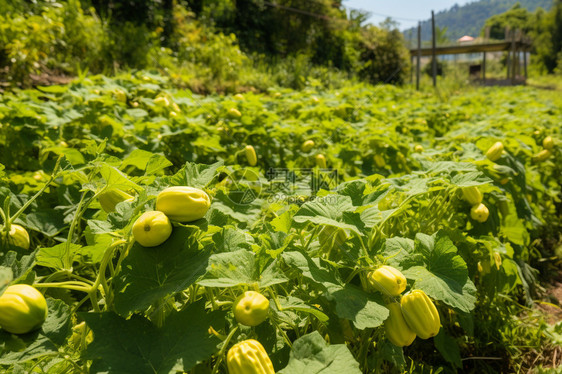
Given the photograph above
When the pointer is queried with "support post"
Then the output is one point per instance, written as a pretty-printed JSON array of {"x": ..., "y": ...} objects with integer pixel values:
[
  {"x": 433, "y": 56},
  {"x": 508, "y": 61},
  {"x": 513, "y": 57},
  {"x": 410, "y": 46},
  {"x": 484, "y": 67},
  {"x": 525, "y": 63},
  {"x": 419, "y": 58}
]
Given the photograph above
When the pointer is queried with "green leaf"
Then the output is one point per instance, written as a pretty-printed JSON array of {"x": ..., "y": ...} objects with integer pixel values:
[
  {"x": 312, "y": 355},
  {"x": 52, "y": 257},
  {"x": 294, "y": 303},
  {"x": 6, "y": 277},
  {"x": 137, "y": 158},
  {"x": 135, "y": 345},
  {"x": 115, "y": 178},
  {"x": 448, "y": 347},
  {"x": 363, "y": 309},
  {"x": 195, "y": 175},
  {"x": 240, "y": 267},
  {"x": 157, "y": 163},
  {"x": 49, "y": 222},
  {"x": 316, "y": 270},
  {"x": 330, "y": 207},
  {"x": 473, "y": 178},
  {"x": 396, "y": 250},
  {"x": 150, "y": 274},
  {"x": 443, "y": 274},
  {"x": 231, "y": 240},
  {"x": 38, "y": 343},
  {"x": 22, "y": 268}
]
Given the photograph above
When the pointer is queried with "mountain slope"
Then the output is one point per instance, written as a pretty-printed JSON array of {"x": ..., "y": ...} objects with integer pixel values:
[{"x": 470, "y": 18}]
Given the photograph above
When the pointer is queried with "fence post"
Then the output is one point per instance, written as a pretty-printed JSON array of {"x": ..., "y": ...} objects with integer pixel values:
[
  {"x": 419, "y": 58},
  {"x": 433, "y": 56}
]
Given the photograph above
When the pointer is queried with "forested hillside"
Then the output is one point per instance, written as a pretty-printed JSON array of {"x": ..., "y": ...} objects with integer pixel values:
[{"x": 470, "y": 18}]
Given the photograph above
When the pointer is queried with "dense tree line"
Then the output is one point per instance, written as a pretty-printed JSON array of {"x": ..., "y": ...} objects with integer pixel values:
[
  {"x": 470, "y": 18},
  {"x": 321, "y": 29}
]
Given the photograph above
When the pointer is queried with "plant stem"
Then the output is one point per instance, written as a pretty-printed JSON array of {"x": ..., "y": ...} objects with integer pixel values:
[{"x": 223, "y": 349}]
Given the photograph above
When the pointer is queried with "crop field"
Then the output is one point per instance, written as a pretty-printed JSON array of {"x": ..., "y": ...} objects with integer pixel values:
[{"x": 361, "y": 229}]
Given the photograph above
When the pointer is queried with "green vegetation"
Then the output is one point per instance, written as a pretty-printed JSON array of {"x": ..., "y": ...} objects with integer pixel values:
[
  {"x": 212, "y": 194},
  {"x": 380, "y": 200}
]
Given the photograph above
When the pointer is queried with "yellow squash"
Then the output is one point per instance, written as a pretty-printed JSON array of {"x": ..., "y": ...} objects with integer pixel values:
[
  {"x": 479, "y": 213},
  {"x": 22, "y": 309},
  {"x": 420, "y": 314},
  {"x": 152, "y": 229},
  {"x": 397, "y": 331},
  {"x": 251, "y": 308},
  {"x": 248, "y": 357},
  {"x": 251, "y": 155},
  {"x": 183, "y": 204},
  {"x": 495, "y": 151},
  {"x": 388, "y": 280}
]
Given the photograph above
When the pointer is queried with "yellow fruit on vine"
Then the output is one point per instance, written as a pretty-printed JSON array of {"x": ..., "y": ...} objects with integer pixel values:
[
  {"x": 251, "y": 308},
  {"x": 248, "y": 357},
  {"x": 234, "y": 112},
  {"x": 495, "y": 151},
  {"x": 18, "y": 236},
  {"x": 162, "y": 101},
  {"x": 542, "y": 155},
  {"x": 307, "y": 145},
  {"x": 152, "y": 229},
  {"x": 397, "y": 330},
  {"x": 183, "y": 203},
  {"x": 251, "y": 155},
  {"x": 472, "y": 194},
  {"x": 388, "y": 280},
  {"x": 479, "y": 213},
  {"x": 420, "y": 314},
  {"x": 22, "y": 309},
  {"x": 321, "y": 161},
  {"x": 548, "y": 142},
  {"x": 110, "y": 198}
]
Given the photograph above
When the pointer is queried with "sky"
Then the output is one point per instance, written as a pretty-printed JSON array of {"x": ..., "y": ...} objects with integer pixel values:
[{"x": 405, "y": 12}]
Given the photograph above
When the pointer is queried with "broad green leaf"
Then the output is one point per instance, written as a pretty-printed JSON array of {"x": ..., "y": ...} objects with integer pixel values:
[
  {"x": 363, "y": 309},
  {"x": 6, "y": 277},
  {"x": 294, "y": 303},
  {"x": 396, "y": 250},
  {"x": 22, "y": 268},
  {"x": 231, "y": 240},
  {"x": 135, "y": 345},
  {"x": 330, "y": 207},
  {"x": 448, "y": 347},
  {"x": 312, "y": 355},
  {"x": 115, "y": 178},
  {"x": 195, "y": 175},
  {"x": 150, "y": 274},
  {"x": 156, "y": 164},
  {"x": 49, "y": 222},
  {"x": 53, "y": 257},
  {"x": 314, "y": 269},
  {"x": 473, "y": 178},
  {"x": 443, "y": 275},
  {"x": 231, "y": 269}
]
